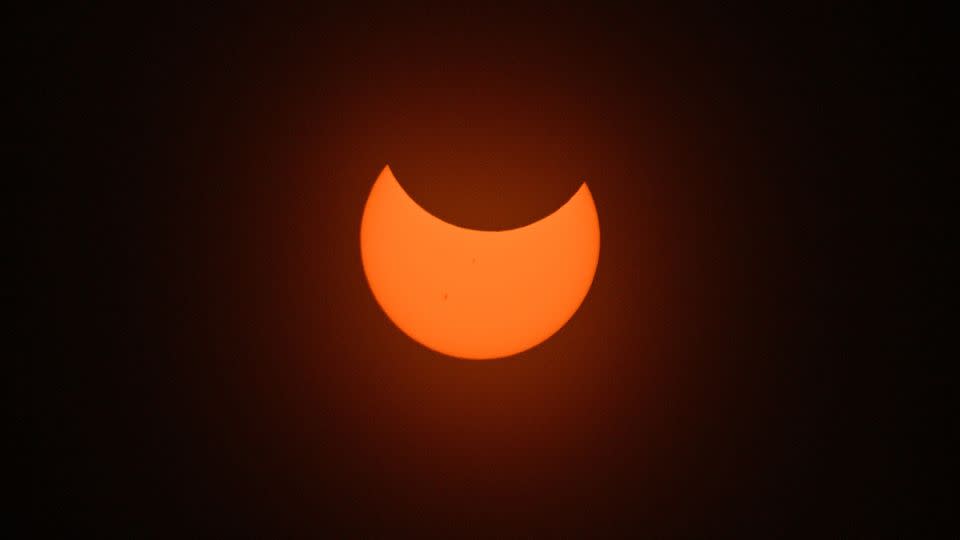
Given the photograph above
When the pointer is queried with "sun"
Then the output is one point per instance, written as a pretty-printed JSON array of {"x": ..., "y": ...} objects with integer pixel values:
[{"x": 477, "y": 294}]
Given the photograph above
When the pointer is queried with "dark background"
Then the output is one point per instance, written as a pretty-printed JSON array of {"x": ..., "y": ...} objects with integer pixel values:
[{"x": 197, "y": 353}]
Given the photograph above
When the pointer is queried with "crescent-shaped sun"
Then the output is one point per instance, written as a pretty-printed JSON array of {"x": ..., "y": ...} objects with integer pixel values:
[{"x": 476, "y": 294}]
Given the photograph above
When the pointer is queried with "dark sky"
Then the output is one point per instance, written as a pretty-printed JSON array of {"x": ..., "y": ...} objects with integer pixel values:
[{"x": 202, "y": 356}]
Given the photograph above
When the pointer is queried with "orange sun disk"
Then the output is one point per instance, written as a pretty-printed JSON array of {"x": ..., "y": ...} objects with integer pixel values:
[{"x": 477, "y": 294}]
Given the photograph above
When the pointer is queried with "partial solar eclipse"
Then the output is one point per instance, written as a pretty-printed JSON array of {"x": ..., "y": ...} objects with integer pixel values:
[{"x": 476, "y": 294}]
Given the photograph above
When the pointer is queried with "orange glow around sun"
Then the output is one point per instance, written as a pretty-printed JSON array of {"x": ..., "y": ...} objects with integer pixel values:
[{"x": 476, "y": 294}]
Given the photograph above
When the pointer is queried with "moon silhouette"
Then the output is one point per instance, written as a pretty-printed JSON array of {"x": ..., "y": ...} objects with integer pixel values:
[{"x": 476, "y": 294}]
